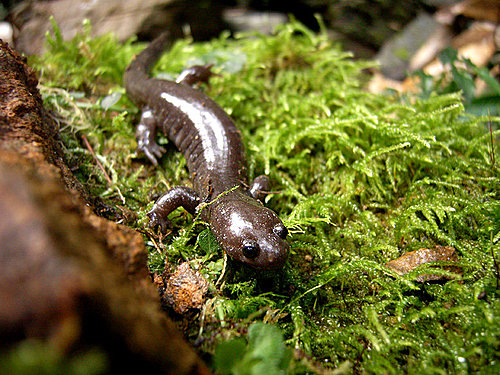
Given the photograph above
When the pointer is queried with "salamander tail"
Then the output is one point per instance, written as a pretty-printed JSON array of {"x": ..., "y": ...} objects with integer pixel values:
[{"x": 138, "y": 70}]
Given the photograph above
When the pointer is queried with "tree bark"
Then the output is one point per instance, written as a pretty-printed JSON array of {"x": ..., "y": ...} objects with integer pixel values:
[{"x": 68, "y": 276}]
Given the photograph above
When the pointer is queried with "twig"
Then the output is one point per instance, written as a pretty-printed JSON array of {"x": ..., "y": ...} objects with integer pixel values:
[
  {"x": 497, "y": 270},
  {"x": 157, "y": 245},
  {"x": 223, "y": 273},
  {"x": 89, "y": 147},
  {"x": 492, "y": 153},
  {"x": 360, "y": 356}
]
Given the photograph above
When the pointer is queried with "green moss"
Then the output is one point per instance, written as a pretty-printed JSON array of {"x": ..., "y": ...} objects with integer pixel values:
[
  {"x": 359, "y": 179},
  {"x": 33, "y": 356}
]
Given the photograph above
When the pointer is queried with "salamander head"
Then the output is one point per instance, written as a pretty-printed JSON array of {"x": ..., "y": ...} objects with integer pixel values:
[{"x": 250, "y": 233}]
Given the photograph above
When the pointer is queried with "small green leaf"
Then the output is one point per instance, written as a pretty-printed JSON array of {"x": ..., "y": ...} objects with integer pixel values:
[
  {"x": 265, "y": 353},
  {"x": 448, "y": 56},
  {"x": 108, "y": 101},
  {"x": 267, "y": 342},
  {"x": 485, "y": 75},
  {"x": 228, "y": 353},
  {"x": 465, "y": 82},
  {"x": 207, "y": 242}
]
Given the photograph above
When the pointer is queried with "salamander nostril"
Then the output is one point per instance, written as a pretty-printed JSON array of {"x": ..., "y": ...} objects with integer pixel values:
[
  {"x": 281, "y": 231},
  {"x": 251, "y": 250}
]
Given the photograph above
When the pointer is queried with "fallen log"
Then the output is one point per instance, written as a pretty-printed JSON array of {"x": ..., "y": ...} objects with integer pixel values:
[{"x": 68, "y": 276}]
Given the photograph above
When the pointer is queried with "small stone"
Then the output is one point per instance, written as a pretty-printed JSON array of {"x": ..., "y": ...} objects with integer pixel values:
[{"x": 394, "y": 56}]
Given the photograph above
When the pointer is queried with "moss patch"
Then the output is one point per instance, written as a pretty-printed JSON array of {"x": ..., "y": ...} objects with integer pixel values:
[{"x": 360, "y": 179}]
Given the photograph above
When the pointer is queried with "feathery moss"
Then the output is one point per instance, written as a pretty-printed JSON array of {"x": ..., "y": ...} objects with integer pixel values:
[{"x": 359, "y": 179}]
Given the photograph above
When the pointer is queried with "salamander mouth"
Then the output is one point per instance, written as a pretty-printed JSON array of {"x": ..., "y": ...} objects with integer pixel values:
[
  {"x": 272, "y": 266},
  {"x": 271, "y": 263}
]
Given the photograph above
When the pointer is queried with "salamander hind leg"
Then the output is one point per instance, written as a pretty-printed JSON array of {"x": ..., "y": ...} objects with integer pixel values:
[
  {"x": 260, "y": 187},
  {"x": 146, "y": 136},
  {"x": 179, "y": 196}
]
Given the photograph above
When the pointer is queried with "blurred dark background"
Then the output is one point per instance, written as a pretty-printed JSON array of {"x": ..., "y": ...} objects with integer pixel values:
[
  {"x": 403, "y": 36},
  {"x": 363, "y": 24}
]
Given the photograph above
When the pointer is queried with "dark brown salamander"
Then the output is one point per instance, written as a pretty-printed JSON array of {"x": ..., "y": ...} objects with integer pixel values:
[{"x": 246, "y": 230}]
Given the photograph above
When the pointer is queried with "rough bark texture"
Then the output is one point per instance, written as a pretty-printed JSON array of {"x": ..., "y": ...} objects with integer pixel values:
[{"x": 67, "y": 275}]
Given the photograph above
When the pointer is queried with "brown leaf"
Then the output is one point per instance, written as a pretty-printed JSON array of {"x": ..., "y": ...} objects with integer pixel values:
[{"x": 413, "y": 259}]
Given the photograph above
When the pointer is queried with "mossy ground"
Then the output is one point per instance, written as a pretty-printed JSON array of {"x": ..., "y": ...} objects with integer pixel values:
[{"x": 359, "y": 179}]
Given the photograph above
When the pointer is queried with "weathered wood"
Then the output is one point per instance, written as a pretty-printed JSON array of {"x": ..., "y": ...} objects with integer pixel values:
[{"x": 67, "y": 275}]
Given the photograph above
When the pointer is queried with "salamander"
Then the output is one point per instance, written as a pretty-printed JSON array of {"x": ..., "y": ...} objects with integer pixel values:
[{"x": 245, "y": 229}]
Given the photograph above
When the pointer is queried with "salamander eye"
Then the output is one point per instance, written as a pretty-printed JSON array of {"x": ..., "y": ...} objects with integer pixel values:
[
  {"x": 281, "y": 231},
  {"x": 250, "y": 250}
]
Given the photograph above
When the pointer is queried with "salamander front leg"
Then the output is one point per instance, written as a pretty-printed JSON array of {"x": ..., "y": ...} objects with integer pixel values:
[
  {"x": 146, "y": 136},
  {"x": 196, "y": 75},
  {"x": 260, "y": 187},
  {"x": 179, "y": 196}
]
